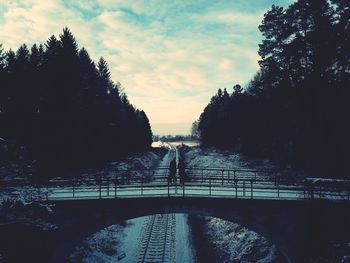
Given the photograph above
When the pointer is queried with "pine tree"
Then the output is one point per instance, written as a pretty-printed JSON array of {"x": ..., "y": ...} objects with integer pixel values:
[
  {"x": 294, "y": 109},
  {"x": 66, "y": 110}
]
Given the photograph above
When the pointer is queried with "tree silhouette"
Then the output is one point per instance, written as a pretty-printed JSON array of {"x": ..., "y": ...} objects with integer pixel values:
[
  {"x": 294, "y": 110},
  {"x": 64, "y": 109}
]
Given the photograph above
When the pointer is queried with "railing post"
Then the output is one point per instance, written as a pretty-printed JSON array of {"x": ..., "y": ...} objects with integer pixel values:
[
  {"x": 115, "y": 188},
  {"x": 73, "y": 188},
  {"x": 47, "y": 191},
  {"x": 251, "y": 189},
  {"x": 210, "y": 186},
  {"x": 168, "y": 188},
  {"x": 202, "y": 175},
  {"x": 236, "y": 184},
  {"x": 142, "y": 185},
  {"x": 234, "y": 174},
  {"x": 183, "y": 188},
  {"x": 100, "y": 188},
  {"x": 243, "y": 188},
  {"x": 175, "y": 184},
  {"x": 278, "y": 189},
  {"x": 107, "y": 186},
  {"x": 228, "y": 177},
  {"x": 222, "y": 177}
]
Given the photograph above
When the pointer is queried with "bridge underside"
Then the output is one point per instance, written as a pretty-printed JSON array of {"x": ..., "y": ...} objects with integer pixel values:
[{"x": 300, "y": 229}]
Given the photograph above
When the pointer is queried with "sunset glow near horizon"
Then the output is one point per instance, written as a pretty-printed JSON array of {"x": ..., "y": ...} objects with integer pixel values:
[{"x": 170, "y": 56}]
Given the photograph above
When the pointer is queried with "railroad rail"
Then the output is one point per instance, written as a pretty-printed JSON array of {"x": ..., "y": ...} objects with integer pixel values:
[{"x": 158, "y": 239}]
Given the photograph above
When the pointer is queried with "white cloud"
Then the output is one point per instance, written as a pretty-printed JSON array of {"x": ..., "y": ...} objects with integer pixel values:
[{"x": 169, "y": 59}]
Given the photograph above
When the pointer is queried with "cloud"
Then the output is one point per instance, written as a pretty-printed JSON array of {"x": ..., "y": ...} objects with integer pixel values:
[{"x": 170, "y": 56}]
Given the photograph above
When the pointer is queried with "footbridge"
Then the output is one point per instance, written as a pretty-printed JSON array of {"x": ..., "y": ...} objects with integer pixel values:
[
  {"x": 301, "y": 217},
  {"x": 197, "y": 182}
]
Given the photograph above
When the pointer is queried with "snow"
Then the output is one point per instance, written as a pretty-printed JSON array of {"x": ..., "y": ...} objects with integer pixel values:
[
  {"x": 24, "y": 195},
  {"x": 177, "y": 143},
  {"x": 114, "y": 243},
  {"x": 122, "y": 243},
  {"x": 136, "y": 162},
  {"x": 28, "y": 194},
  {"x": 158, "y": 144},
  {"x": 125, "y": 243},
  {"x": 184, "y": 249},
  {"x": 102, "y": 246},
  {"x": 234, "y": 243},
  {"x": 215, "y": 158}
]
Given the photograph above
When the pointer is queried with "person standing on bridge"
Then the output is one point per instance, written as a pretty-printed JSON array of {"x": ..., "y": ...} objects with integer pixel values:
[
  {"x": 172, "y": 171},
  {"x": 182, "y": 167}
]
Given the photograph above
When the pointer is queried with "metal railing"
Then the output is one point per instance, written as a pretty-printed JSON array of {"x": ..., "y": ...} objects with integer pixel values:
[{"x": 212, "y": 182}]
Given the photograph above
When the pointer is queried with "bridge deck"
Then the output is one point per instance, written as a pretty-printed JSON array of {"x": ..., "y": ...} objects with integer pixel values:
[
  {"x": 201, "y": 182},
  {"x": 246, "y": 187},
  {"x": 191, "y": 190}
]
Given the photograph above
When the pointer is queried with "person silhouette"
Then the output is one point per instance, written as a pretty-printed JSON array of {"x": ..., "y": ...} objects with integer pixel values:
[
  {"x": 182, "y": 167},
  {"x": 172, "y": 171}
]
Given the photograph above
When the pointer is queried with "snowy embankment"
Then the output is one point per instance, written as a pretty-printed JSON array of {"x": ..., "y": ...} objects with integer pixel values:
[
  {"x": 133, "y": 165},
  {"x": 18, "y": 202},
  {"x": 103, "y": 246},
  {"x": 27, "y": 193},
  {"x": 231, "y": 242},
  {"x": 119, "y": 243},
  {"x": 155, "y": 238},
  {"x": 138, "y": 240},
  {"x": 210, "y": 157},
  {"x": 19, "y": 208},
  {"x": 234, "y": 243}
]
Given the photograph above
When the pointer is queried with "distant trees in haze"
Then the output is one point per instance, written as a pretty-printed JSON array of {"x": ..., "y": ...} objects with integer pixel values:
[
  {"x": 296, "y": 108},
  {"x": 174, "y": 138},
  {"x": 64, "y": 108}
]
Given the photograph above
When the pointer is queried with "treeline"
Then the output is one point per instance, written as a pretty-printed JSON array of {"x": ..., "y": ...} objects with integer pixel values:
[
  {"x": 63, "y": 108},
  {"x": 174, "y": 138},
  {"x": 296, "y": 108}
]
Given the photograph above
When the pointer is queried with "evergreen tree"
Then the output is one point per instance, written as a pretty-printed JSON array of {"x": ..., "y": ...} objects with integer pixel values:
[
  {"x": 65, "y": 110},
  {"x": 295, "y": 108}
]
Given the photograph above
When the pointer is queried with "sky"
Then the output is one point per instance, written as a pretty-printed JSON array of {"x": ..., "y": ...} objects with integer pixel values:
[{"x": 171, "y": 56}]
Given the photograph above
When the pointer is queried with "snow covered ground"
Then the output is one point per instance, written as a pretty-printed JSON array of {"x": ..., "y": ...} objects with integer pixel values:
[
  {"x": 158, "y": 236},
  {"x": 116, "y": 243},
  {"x": 123, "y": 243},
  {"x": 27, "y": 194},
  {"x": 263, "y": 173},
  {"x": 234, "y": 243},
  {"x": 216, "y": 158},
  {"x": 177, "y": 143},
  {"x": 136, "y": 162},
  {"x": 184, "y": 247},
  {"x": 18, "y": 204}
]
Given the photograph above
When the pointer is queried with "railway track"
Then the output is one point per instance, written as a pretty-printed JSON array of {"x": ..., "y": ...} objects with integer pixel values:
[{"x": 157, "y": 243}]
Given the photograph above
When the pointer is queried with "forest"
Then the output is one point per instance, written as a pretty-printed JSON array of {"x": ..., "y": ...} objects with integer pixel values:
[
  {"x": 60, "y": 109},
  {"x": 295, "y": 110}
]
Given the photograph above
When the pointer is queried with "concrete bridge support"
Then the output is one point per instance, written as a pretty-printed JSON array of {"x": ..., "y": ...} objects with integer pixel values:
[{"x": 299, "y": 229}]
